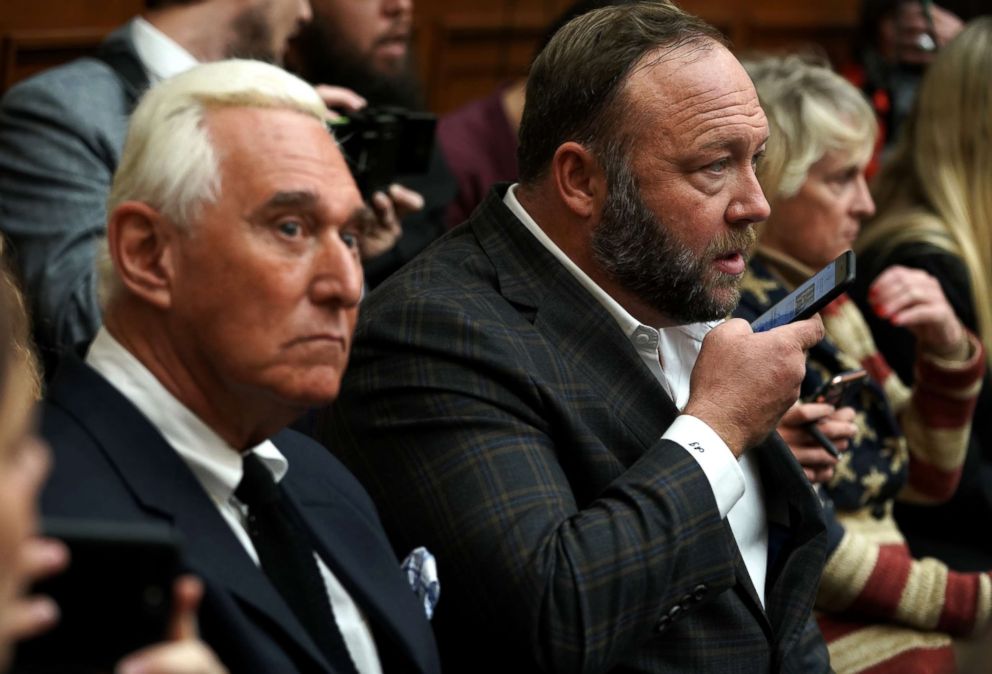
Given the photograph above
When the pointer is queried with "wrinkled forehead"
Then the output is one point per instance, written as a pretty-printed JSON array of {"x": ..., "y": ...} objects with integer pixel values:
[{"x": 695, "y": 89}]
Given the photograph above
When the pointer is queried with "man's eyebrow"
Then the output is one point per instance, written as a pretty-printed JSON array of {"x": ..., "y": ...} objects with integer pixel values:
[
  {"x": 280, "y": 200},
  {"x": 725, "y": 142}
]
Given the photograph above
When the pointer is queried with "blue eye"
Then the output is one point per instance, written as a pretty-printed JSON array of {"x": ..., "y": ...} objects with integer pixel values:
[
  {"x": 350, "y": 239},
  {"x": 718, "y": 166},
  {"x": 290, "y": 228}
]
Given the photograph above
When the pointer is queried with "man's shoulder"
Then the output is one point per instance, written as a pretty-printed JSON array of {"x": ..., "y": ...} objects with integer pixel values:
[
  {"x": 85, "y": 93},
  {"x": 452, "y": 269},
  {"x": 317, "y": 475}
]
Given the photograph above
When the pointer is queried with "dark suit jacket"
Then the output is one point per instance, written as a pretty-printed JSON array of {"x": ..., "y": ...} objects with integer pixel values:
[
  {"x": 110, "y": 463},
  {"x": 61, "y": 135},
  {"x": 493, "y": 408}
]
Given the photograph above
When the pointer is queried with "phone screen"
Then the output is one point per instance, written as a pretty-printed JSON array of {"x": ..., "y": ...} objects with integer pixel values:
[{"x": 811, "y": 296}]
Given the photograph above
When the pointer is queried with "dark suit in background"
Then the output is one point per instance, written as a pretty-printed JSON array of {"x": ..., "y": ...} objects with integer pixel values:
[
  {"x": 497, "y": 413},
  {"x": 112, "y": 464}
]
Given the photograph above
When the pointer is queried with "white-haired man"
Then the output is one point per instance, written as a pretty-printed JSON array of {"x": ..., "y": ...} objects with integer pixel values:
[{"x": 233, "y": 237}]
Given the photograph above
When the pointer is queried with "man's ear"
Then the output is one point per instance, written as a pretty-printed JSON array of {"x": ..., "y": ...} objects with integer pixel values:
[
  {"x": 579, "y": 179},
  {"x": 141, "y": 243}
]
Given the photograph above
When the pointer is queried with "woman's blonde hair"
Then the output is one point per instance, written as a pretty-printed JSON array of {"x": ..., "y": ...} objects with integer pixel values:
[
  {"x": 811, "y": 110},
  {"x": 936, "y": 187},
  {"x": 18, "y": 364}
]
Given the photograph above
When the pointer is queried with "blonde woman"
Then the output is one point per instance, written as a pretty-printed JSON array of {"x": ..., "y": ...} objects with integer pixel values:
[
  {"x": 880, "y": 609},
  {"x": 934, "y": 199}
]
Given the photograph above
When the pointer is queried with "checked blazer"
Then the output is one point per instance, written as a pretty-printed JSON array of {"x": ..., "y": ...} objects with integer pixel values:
[{"x": 496, "y": 412}]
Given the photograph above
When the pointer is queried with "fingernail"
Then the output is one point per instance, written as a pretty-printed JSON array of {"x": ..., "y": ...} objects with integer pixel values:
[{"x": 45, "y": 610}]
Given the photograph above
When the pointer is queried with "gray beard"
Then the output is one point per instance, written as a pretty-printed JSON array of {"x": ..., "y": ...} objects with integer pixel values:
[{"x": 638, "y": 251}]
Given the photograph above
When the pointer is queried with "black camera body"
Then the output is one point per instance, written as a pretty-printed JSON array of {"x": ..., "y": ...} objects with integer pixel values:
[{"x": 382, "y": 143}]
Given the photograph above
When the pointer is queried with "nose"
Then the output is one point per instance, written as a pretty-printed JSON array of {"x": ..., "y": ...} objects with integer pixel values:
[
  {"x": 863, "y": 205},
  {"x": 338, "y": 279},
  {"x": 748, "y": 205},
  {"x": 304, "y": 12},
  {"x": 397, "y": 7}
]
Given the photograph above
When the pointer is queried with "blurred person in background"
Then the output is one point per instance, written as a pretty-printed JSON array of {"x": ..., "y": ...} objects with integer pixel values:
[
  {"x": 479, "y": 139},
  {"x": 880, "y": 609},
  {"x": 934, "y": 215},
  {"x": 895, "y": 41},
  {"x": 364, "y": 46}
]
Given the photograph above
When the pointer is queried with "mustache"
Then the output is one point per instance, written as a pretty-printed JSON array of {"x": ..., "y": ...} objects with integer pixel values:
[
  {"x": 743, "y": 240},
  {"x": 400, "y": 29}
]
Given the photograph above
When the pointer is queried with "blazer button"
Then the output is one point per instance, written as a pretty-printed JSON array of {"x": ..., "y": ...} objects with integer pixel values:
[
  {"x": 674, "y": 612},
  {"x": 699, "y": 592},
  {"x": 686, "y": 600},
  {"x": 662, "y": 624}
]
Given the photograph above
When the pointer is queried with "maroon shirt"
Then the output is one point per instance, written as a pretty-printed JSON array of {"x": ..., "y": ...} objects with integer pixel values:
[{"x": 481, "y": 148}]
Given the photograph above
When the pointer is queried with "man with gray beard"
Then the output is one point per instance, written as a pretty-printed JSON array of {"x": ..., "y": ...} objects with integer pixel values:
[{"x": 551, "y": 399}]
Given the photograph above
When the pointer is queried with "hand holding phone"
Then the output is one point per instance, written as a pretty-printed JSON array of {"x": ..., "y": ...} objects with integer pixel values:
[{"x": 811, "y": 296}]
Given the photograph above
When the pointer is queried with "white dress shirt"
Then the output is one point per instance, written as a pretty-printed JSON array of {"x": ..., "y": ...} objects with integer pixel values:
[
  {"x": 161, "y": 56},
  {"x": 736, "y": 484},
  {"x": 217, "y": 466}
]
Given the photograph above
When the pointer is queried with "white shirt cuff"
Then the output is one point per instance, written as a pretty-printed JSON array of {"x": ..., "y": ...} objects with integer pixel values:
[{"x": 717, "y": 461}]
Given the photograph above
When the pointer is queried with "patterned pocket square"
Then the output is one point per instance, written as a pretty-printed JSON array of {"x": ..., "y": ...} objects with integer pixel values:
[{"x": 421, "y": 572}]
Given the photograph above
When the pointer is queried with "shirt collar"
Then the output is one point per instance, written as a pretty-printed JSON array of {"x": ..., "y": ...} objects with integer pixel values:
[
  {"x": 161, "y": 56},
  {"x": 630, "y": 326},
  {"x": 214, "y": 462}
]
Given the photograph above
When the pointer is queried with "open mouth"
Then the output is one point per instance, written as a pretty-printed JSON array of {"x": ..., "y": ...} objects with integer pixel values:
[{"x": 732, "y": 263}]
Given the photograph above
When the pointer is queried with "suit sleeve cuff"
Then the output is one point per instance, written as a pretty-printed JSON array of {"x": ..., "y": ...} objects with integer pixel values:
[{"x": 717, "y": 461}]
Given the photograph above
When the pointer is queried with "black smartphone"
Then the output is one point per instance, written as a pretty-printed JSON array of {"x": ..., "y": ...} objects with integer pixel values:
[
  {"x": 115, "y": 597},
  {"x": 811, "y": 296},
  {"x": 838, "y": 389}
]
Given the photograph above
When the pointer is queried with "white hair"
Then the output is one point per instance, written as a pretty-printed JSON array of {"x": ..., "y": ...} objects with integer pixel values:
[
  {"x": 811, "y": 110},
  {"x": 168, "y": 160}
]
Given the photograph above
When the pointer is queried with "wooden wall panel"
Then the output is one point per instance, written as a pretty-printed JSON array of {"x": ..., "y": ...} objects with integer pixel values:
[
  {"x": 467, "y": 49},
  {"x": 38, "y": 34},
  {"x": 464, "y": 47}
]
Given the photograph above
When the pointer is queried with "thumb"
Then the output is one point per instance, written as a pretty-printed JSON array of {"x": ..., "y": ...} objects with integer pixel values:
[
  {"x": 807, "y": 333},
  {"x": 187, "y": 592}
]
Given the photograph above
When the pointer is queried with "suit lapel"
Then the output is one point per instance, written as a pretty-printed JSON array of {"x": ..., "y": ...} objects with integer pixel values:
[
  {"x": 790, "y": 497},
  {"x": 584, "y": 334},
  {"x": 375, "y": 583},
  {"x": 162, "y": 483}
]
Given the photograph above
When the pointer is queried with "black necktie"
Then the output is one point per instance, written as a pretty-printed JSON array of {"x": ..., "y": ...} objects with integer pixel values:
[{"x": 286, "y": 556}]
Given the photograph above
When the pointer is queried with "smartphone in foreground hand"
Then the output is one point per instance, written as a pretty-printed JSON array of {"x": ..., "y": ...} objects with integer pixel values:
[
  {"x": 811, "y": 296},
  {"x": 115, "y": 597}
]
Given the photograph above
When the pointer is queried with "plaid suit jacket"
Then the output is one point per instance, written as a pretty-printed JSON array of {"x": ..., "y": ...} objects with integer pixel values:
[{"x": 498, "y": 415}]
